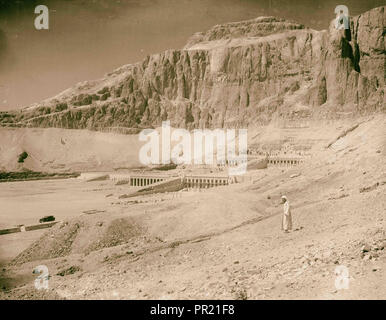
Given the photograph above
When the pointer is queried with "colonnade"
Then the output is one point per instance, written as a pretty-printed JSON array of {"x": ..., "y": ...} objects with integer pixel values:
[
  {"x": 205, "y": 181},
  {"x": 285, "y": 161},
  {"x": 143, "y": 181}
]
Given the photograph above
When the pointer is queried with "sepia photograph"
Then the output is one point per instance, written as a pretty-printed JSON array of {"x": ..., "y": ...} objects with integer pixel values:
[{"x": 192, "y": 150}]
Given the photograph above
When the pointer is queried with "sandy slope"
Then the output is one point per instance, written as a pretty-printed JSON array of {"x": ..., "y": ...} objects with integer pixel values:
[
  {"x": 53, "y": 149},
  {"x": 72, "y": 150},
  {"x": 226, "y": 242}
]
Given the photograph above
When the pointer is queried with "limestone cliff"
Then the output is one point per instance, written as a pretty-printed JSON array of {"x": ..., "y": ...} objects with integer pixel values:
[{"x": 237, "y": 74}]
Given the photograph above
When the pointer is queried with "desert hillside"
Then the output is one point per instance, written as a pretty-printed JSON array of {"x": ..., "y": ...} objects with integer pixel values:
[
  {"x": 228, "y": 244},
  {"x": 61, "y": 150}
]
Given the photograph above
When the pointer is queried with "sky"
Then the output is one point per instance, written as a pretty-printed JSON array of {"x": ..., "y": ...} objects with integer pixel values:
[{"x": 89, "y": 38}]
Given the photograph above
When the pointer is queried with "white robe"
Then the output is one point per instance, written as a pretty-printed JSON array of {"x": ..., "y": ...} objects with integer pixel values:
[{"x": 287, "y": 217}]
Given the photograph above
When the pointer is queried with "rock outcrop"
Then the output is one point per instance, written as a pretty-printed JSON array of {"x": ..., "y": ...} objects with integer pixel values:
[{"x": 237, "y": 74}]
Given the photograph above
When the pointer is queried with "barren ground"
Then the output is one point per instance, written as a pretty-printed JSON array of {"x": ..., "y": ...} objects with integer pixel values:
[{"x": 221, "y": 243}]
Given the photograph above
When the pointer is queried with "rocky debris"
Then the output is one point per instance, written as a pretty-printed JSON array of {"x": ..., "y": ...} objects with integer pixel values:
[
  {"x": 369, "y": 188},
  {"x": 372, "y": 251},
  {"x": 83, "y": 236},
  {"x": 54, "y": 243},
  {"x": 240, "y": 294},
  {"x": 31, "y": 293},
  {"x": 119, "y": 231},
  {"x": 337, "y": 197},
  {"x": 70, "y": 270}
]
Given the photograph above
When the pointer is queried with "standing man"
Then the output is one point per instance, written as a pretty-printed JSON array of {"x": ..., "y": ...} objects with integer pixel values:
[{"x": 286, "y": 224}]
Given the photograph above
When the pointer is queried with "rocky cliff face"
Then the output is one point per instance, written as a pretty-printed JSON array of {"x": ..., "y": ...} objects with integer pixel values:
[{"x": 237, "y": 74}]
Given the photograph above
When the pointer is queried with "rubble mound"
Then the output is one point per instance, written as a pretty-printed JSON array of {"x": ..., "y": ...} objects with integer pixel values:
[
  {"x": 56, "y": 243},
  {"x": 119, "y": 231},
  {"x": 81, "y": 236}
]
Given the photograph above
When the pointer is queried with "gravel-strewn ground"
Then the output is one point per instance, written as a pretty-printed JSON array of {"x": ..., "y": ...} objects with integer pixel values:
[{"x": 226, "y": 243}]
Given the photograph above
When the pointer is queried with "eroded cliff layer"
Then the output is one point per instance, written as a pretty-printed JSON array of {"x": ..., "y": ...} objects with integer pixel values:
[{"x": 237, "y": 74}]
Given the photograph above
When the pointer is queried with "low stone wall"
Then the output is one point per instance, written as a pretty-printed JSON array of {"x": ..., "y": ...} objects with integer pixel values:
[
  {"x": 9, "y": 230},
  {"x": 28, "y": 228}
]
